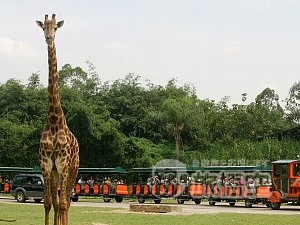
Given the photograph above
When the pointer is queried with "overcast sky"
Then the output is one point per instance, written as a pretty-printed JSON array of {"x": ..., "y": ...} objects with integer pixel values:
[{"x": 223, "y": 48}]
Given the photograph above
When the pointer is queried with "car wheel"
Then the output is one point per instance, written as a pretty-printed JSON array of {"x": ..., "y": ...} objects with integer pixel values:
[{"x": 20, "y": 197}]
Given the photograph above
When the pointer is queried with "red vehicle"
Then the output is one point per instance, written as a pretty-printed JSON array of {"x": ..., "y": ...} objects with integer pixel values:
[{"x": 285, "y": 182}]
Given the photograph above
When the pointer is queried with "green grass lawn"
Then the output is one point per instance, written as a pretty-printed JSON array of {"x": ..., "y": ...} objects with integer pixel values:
[{"x": 27, "y": 214}]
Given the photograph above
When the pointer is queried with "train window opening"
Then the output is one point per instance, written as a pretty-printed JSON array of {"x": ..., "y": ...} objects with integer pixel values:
[
  {"x": 281, "y": 170},
  {"x": 296, "y": 169}
]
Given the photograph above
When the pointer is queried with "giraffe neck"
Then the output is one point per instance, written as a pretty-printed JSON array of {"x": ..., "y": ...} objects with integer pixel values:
[{"x": 55, "y": 112}]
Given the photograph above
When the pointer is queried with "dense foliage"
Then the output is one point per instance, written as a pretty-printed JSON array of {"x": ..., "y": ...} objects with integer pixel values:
[{"x": 133, "y": 124}]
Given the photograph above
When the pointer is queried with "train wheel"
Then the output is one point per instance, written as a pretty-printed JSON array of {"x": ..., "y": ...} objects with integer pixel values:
[
  {"x": 119, "y": 199},
  {"x": 232, "y": 203},
  {"x": 141, "y": 200},
  {"x": 180, "y": 201},
  {"x": 157, "y": 201},
  {"x": 197, "y": 201},
  {"x": 248, "y": 203},
  {"x": 211, "y": 202},
  {"x": 107, "y": 200},
  {"x": 275, "y": 205}
]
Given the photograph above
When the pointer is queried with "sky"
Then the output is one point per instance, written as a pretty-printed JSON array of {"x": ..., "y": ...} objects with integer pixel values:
[{"x": 221, "y": 47}]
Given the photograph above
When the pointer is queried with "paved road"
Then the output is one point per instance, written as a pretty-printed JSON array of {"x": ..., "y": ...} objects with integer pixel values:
[
  {"x": 188, "y": 208},
  {"x": 205, "y": 208}
]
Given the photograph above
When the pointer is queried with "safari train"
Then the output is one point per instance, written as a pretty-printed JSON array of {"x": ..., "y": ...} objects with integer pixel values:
[
  {"x": 272, "y": 186},
  {"x": 269, "y": 185}
]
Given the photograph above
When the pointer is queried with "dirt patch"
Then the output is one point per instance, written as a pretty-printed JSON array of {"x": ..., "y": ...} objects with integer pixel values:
[{"x": 147, "y": 213}]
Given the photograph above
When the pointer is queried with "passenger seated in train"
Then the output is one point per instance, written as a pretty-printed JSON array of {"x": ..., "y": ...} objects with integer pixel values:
[
  {"x": 156, "y": 180},
  {"x": 120, "y": 181},
  {"x": 199, "y": 181},
  {"x": 111, "y": 184},
  {"x": 226, "y": 181},
  {"x": 232, "y": 182},
  {"x": 108, "y": 181},
  {"x": 218, "y": 181},
  {"x": 81, "y": 182},
  {"x": 242, "y": 181},
  {"x": 251, "y": 183},
  {"x": 91, "y": 184},
  {"x": 174, "y": 181}
]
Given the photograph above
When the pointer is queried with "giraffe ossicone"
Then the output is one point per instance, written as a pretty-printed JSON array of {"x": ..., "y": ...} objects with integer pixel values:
[{"x": 59, "y": 149}]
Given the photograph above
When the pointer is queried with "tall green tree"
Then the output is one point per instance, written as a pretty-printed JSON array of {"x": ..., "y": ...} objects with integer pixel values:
[
  {"x": 270, "y": 99},
  {"x": 177, "y": 113},
  {"x": 125, "y": 101},
  {"x": 293, "y": 103}
]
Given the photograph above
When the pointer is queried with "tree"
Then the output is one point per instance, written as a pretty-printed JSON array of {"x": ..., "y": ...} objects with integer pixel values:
[
  {"x": 125, "y": 101},
  {"x": 176, "y": 113},
  {"x": 13, "y": 101},
  {"x": 76, "y": 78},
  {"x": 293, "y": 104},
  {"x": 270, "y": 99},
  {"x": 34, "y": 81},
  {"x": 14, "y": 149}
]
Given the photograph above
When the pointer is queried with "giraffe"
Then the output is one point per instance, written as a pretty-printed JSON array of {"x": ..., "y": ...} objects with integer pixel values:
[{"x": 59, "y": 150}]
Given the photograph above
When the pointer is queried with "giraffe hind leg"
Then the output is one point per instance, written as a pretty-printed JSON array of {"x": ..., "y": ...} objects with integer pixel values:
[
  {"x": 54, "y": 195},
  {"x": 47, "y": 200}
]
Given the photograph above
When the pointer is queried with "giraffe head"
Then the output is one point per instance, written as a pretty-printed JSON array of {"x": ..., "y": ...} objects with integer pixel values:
[{"x": 50, "y": 27}]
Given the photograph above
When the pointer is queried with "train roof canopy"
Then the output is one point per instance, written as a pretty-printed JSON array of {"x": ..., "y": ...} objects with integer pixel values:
[
  {"x": 15, "y": 169},
  {"x": 193, "y": 169},
  {"x": 238, "y": 168},
  {"x": 158, "y": 169},
  {"x": 285, "y": 161},
  {"x": 117, "y": 170}
]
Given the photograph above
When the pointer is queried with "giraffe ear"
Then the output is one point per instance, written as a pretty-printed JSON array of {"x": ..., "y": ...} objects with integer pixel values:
[
  {"x": 40, "y": 24},
  {"x": 60, "y": 24}
]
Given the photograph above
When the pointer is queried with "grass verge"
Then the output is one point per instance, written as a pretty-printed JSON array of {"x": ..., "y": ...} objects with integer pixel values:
[{"x": 27, "y": 214}]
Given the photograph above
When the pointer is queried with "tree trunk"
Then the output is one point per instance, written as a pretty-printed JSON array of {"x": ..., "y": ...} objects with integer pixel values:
[{"x": 177, "y": 143}]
